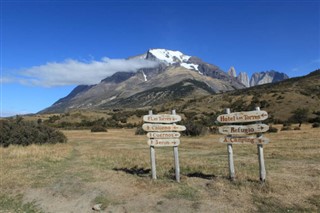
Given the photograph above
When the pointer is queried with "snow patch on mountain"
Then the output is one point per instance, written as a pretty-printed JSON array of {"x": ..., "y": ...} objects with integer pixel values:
[
  {"x": 144, "y": 76},
  {"x": 169, "y": 56},
  {"x": 174, "y": 57},
  {"x": 190, "y": 66}
]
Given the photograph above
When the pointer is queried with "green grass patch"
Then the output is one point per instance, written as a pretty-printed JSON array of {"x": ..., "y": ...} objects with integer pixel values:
[{"x": 15, "y": 204}]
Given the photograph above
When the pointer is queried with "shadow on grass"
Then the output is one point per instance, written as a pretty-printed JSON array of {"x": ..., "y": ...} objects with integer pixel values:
[
  {"x": 201, "y": 175},
  {"x": 134, "y": 171}
]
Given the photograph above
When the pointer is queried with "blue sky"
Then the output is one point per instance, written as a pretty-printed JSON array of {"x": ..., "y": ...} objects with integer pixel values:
[{"x": 47, "y": 46}]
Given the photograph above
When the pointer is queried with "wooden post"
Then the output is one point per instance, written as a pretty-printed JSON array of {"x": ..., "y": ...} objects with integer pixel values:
[
  {"x": 230, "y": 156},
  {"x": 153, "y": 158},
  {"x": 262, "y": 168},
  {"x": 176, "y": 158}
]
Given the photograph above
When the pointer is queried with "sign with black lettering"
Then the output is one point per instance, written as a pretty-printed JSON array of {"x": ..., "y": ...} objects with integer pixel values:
[{"x": 241, "y": 117}]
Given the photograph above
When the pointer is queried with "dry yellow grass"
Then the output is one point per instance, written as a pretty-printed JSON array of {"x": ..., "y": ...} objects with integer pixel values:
[{"x": 73, "y": 176}]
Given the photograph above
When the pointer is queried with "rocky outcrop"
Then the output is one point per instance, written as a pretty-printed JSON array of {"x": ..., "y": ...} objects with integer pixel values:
[
  {"x": 267, "y": 77},
  {"x": 244, "y": 79},
  {"x": 232, "y": 72}
]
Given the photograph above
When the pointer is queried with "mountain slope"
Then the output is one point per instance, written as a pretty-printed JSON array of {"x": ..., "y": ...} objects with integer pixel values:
[{"x": 159, "y": 95}]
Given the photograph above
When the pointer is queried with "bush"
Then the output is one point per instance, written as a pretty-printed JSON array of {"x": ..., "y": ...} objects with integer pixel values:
[
  {"x": 300, "y": 115},
  {"x": 272, "y": 129},
  {"x": 98, "y": 129},
  {"x": 18, "y": 132},
  {"x": 194, "y": 129},
  {"x": 314, "y": 120},
  {"x": 316, "y": 125},
  {"x": 286, "y": 127},
  {"x": 140, "y": 131}
]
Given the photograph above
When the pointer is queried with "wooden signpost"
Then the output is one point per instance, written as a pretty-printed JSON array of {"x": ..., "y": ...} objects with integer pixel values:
[
  {"x": 165, "y": 118},
  {"x": 239, "y": 134},
  {"x": 241, "y": 117},
  {"x": 244, "y": 140},
  {"x": 163, "y": 142},
  {"x": 243, "y": 130},
  {"x": 163, "y": 132},
  {"x": 163, "y": 135},
  {"x": 162, "y": 127}
]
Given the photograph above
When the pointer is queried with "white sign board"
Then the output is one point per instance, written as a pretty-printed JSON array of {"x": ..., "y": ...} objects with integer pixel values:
[
  {"x": 163, "y": 134},
  {"x": 163, "y": 142},
  {"x": 162, "y": 118},
  {"x": 241, "y": 117},
  {"x": 162, "y": 127},
  {"x": 241, "y": 130},
  {"x": 244, "y": 140}
]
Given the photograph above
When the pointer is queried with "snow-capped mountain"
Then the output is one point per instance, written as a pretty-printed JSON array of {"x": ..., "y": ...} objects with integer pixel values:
[{"x": 175, "y": 75}]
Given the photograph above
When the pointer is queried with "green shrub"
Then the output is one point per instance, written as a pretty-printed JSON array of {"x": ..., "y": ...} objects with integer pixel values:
[
  {"x": 194, "y": 129},
  {"x": 98, "y": 129},
  {"x": 314, "y": 120},
  {"x": 300, "y": 115},
  {"x": 140, "y": 131},
  {"x": 18, "y": 132},
  {"x": 286, "y": 126},
  {"x": 272, "y": 129},
  {"x": 316, "y": 125}
]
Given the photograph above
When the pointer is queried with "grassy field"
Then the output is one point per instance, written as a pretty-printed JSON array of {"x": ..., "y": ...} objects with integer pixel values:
[{"x": 112, "y": 169}]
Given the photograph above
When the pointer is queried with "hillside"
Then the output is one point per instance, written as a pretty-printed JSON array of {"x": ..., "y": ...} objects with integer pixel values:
[
  {"x": 279, "y": 99},
  {"x": 197, "y": 102}
]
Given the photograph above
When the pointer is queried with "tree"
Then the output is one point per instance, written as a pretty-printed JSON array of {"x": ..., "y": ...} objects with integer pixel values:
[{"x": 300, "y": 115}]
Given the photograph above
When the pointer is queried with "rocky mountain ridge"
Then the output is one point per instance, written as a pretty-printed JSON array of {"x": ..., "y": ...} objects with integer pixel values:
[{"x": 258, "y": 78}]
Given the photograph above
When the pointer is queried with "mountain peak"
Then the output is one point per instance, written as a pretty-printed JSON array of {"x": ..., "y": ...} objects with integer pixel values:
[
  {"x": 169, "y": 56},
  {"x": 232, "y": 72},
  {"x": 172, "y": 57},
  {"x": 267, "y": 77}
]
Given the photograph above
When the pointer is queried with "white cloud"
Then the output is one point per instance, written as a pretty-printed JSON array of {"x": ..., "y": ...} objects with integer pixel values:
[
  {"x": 73, "y": 72},
  {"x": 6, "y": 80},
  {"x": 9, "y": 113}
]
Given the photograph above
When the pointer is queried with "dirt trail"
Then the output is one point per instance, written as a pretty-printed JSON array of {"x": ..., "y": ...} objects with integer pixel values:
[{"x": 121, "y": 193}]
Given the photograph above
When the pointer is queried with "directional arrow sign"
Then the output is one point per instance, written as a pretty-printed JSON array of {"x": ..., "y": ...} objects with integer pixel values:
[
  {"x": 162, "y": 127},
  {"x": 244, "y": 140},
  {"x": 164, "y": 118},
  {"x": 240, "y": 117},
  {"x": 240, "y": 130},
  {"x": 163, "y": 142},
  {"x": 163, "y": 135}
]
